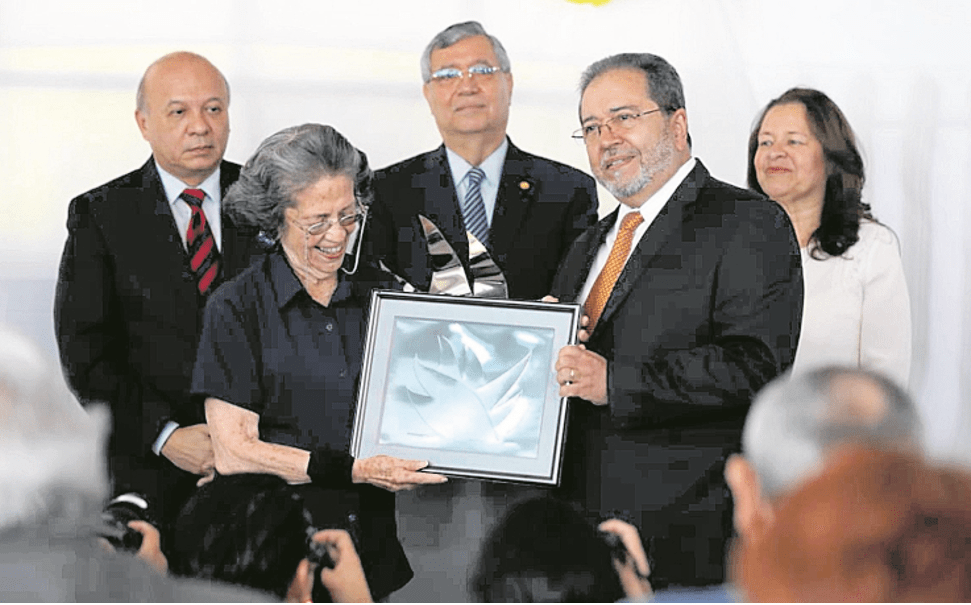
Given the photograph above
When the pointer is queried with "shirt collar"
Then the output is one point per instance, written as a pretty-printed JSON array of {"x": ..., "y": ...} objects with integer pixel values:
[
  {"x": 286, "y": 284},
  {"x": 491, "y": 166},
  {"x": 174, "y": 187},
  {"x": 652, "y": 205}
]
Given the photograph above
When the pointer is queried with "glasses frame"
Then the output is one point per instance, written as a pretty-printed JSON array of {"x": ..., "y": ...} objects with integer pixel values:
[
  {"x": 626, "y": 120},
  {"x": 347, "y": 222},
  {"x": 446, "y": 75}
]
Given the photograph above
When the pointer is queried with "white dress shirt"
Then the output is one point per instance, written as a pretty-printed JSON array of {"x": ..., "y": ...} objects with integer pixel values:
[
  {"x": 649, "y": 210},
  {"x": 181, "y": 210},
  {"x": 182, "y": 213},
  {"x": 491, "y": 166}
]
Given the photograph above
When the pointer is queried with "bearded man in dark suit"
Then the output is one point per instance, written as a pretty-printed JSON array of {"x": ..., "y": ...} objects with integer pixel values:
[
  {"x": 532, "y": 208},
  {"x": 693, "y": 296},
  {"x": 143, "y": 252}
]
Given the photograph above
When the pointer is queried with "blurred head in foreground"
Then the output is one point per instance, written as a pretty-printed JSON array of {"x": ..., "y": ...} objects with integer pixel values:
[
  {"x": 52, "y": 467},
  {"x": 246, "y": 529},
  {"x": 796, "y": 423},
  {"x": 545, "y": 551},
  {"x": 875, "y": 526}
]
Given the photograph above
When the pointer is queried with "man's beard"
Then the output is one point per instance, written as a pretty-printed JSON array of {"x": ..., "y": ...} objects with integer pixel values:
[{"x": 659, "y": 160}]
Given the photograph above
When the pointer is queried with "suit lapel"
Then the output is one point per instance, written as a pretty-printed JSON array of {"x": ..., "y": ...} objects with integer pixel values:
[
  {"x": 171, "y": 259},
  {"x": 174, "y": 259},
  {"x": 666, "y": 227},
  {"x": 235, "y": 245},
  {"x": 516, "y": 194},
  {"x": 578, "y": 272},
  {"x": 441, "y": 204}
]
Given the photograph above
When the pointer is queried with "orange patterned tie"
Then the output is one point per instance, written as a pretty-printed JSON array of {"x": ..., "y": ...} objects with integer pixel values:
[{"x": 615, "y": 263}]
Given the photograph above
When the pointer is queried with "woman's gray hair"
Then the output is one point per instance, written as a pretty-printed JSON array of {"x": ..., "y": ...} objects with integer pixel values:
[
  {"x": 285, "y": 164},
  {"x": 454, "y": 34}
]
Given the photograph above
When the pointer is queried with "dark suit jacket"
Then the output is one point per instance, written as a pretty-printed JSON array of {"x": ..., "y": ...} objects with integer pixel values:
[
  {"x": 541, "y": 207},
  {"x": 705, "y": 312},
  {"x": 128, "y": 314}
]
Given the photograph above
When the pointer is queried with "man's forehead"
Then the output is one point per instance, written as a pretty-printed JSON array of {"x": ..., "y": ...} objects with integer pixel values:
[
  {"x": 476, "y": 49},
  {"x": 615, "y": 90},
  {"x": 177, "y": 72},
  {"x": 180, "y": 99}
]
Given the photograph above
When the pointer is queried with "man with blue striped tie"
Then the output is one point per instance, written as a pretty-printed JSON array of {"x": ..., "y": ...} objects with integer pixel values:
[{"x": 525, "y": 209}]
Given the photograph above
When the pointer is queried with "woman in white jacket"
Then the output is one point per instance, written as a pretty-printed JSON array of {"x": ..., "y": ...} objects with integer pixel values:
[{"x": 803, "y": 154}]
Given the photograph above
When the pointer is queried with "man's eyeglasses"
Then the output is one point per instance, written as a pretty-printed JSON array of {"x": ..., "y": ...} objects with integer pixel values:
[
  {"x": 625, "y": 120},
  {"x": 347, "y": 222},
  {"x": 454, "y": 74}
]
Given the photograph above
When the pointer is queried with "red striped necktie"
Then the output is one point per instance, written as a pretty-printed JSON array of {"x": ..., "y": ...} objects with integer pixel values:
[{"x": 203, "y": 254}]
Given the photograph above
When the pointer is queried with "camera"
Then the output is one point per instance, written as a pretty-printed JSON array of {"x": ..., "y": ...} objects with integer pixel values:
[
  {"x": 317, "y": 551},
  {"x": 117, "y": 514}
]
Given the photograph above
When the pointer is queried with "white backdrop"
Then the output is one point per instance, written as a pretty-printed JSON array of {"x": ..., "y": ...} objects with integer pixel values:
[{"x": 900, "y": 70}]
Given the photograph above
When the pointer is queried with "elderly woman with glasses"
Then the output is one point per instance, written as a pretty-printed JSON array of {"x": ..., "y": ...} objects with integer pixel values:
[{"x": 282, "y": 344}]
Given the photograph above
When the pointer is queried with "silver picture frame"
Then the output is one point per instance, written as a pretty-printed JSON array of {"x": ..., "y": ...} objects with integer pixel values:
[{"x": 465, "y": 383}]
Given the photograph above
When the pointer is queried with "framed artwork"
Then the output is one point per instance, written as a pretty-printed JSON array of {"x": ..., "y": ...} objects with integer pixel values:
[{"x": 465, "y": 383}]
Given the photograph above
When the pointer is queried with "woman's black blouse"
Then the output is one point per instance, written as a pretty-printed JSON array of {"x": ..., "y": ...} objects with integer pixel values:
[{"x": 268, "y": 347}]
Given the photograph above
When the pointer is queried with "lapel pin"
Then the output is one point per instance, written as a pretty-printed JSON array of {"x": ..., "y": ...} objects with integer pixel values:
[{"x": 524, "y": 185}]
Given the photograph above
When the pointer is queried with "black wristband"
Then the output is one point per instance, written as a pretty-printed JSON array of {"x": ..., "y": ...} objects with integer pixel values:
[{"x": 328, "y": 467}]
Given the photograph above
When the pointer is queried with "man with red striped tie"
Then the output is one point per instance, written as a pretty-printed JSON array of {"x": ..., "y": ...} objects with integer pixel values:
[{"x": 142, "y": 255}]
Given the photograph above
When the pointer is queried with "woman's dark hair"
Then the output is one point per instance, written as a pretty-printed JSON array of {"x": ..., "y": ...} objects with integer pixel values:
[
  {"x": 545, "y": 551},
  {"x": 247, "y": 529},
  {"x": 843, "y": 206}
]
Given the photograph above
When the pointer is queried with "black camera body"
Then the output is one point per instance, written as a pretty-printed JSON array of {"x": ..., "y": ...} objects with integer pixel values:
[
  {"x": 117, "y": 514},
  {"x": 317, "y": 553}
]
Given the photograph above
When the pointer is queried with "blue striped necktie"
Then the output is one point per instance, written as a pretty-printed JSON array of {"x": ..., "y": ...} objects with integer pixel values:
[{"x": 473, "y": 210}]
